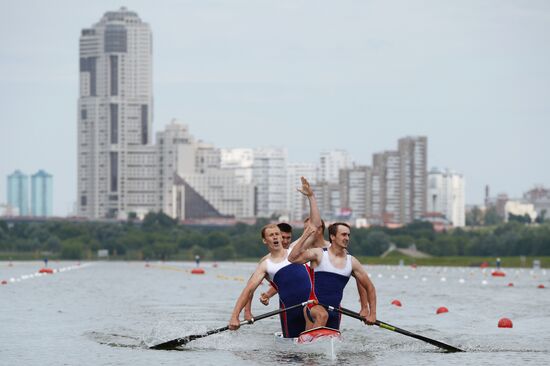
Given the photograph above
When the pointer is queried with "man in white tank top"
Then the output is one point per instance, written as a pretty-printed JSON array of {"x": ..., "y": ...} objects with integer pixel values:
[
  {"x": 333, "y": 266},
  {"x": 293, "y": 281}
]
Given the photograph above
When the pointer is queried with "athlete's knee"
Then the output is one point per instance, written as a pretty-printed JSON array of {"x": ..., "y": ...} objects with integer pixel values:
[{"x": 320, "y": 314}]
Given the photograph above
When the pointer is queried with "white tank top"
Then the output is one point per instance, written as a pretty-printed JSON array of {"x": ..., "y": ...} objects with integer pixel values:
[
  {"x": 273, "y": 268},
  {"x": 326, "y": 266}
]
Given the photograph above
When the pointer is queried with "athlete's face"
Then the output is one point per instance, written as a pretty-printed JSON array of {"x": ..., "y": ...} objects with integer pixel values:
[
  {"x": 286, "y": 238},
  {"x": 272, "y": 237},
  {"x": 341, "y": 238}
]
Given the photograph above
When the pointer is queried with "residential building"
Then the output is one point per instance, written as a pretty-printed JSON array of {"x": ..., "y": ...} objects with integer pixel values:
[
  {"x": 330, "y": 164},
  {"x": 117, "y": 163},
  {"x": 356, "y": 191},
  {"x": 270, "y": 178},
  {"x": 176, "y": 154},
  {"x": 18, "y": 193},
  {"x": 41, "y": 194},
  {"x": 413, "y": 154},
  {"x": 446, "y": 195}
]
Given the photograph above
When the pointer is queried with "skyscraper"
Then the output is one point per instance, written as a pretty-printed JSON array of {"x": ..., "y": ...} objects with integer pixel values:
[
  {"x": 446, "y": 195},
  {"x": 270, "y": 177},
  {"x": 41, "y": 194},
  {"x": 413, "y": 154},
  {"x": 18, "y": 192},
  {"x": 116, "y": 161}
]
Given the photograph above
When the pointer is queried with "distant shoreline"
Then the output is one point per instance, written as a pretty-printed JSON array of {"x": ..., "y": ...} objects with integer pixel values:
[{"x": 449, "y": 261}]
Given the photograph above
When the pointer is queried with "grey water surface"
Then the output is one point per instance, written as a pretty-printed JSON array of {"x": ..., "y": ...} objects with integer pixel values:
[{"x": 108, "y": 313}]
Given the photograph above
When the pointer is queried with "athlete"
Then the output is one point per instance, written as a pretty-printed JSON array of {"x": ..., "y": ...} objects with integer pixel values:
[
  {"x": 333, "y": 267},
  {"x": 292, "y": 281},
  {"x": 286, "y": 234},
  {"x": 318, "y": 241}
]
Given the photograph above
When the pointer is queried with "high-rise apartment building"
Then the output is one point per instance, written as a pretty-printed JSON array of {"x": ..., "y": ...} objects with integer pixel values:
[
  {"x": 356, "y": 191},
  {"x": 399, "y": 182},
  {"x": 18, "y": 192},
  {"x": 176, "y": 153},
  {"x": 330, "y": 163},
  {"x": 446, "y": 195},
  {"x": 117, "y": 171},
  {"x": 270, "y": 178},
  {"x": 42, "y": 194},
  {"x": 386, "y": 188},
  {"x": 413, "y": 154}
]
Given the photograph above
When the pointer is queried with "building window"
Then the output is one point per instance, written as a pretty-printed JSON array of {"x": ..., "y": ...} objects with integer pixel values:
[
  {"x": 144, "y": 124},
  {"x": 114, "y": 74},
  {"x": 83, "y": 114},
  {"x": 114, "y": 171},
  {"x": 114, "y": 123},
  {"x": 83, "y": 200}
]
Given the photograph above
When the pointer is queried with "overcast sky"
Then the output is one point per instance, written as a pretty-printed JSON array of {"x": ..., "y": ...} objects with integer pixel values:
[{"x": 472, "y": 75}]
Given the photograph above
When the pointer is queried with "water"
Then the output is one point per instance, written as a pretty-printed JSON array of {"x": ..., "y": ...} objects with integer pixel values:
[{"x": 108, "y": 313}]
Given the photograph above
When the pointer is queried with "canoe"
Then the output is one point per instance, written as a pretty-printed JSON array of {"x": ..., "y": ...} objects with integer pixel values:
[{"x": 321, "y": 340}]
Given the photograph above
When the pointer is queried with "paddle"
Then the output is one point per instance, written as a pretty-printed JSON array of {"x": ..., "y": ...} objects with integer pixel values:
[
  {"x": 170, "y": 345},
  {"x": 387, "y": 326}
]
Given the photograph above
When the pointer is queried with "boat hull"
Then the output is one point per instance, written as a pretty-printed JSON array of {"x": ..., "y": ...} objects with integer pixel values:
[{"x": 321, "y": 340}]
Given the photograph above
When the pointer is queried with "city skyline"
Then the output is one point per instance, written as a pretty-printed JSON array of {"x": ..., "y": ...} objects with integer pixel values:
[{"x": 471, "y": 77}]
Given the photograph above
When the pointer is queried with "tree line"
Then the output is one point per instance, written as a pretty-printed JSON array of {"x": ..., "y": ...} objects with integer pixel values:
[{"x": 160, "y": 237}]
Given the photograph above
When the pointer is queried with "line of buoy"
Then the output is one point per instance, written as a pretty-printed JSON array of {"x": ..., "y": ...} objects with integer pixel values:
[{"x": 43, "y": 272}]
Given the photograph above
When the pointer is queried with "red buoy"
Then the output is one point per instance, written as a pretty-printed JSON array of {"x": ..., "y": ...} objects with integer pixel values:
[
  {"x": 484, "y": 265},
  {"x": 396, "y": 303},
  {"x": 498, "y": 273},
  {"x": 505, "y": 323},
  {"x": 46, "y": 270},
  {"x": 540, "y": 286},
  {"x": 4, "y": 282},
  {"x": 147, "y": 265},
  {"x": 413, "y": 266},
  {"x": 441, "y": 309},
  {"x": 510, "y": 284},
  {"x": 197, "y": 271}
]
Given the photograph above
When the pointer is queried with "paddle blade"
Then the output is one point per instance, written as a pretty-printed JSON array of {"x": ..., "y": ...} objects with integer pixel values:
[
  {"x": 171, "y": 345},
  {"x": 178, "y": 342}
]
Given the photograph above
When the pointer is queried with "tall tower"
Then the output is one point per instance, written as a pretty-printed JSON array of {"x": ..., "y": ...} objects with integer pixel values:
[
  {"x": 116, "y": 161},
  {"x": 18, "y": 192},
  {"x": 41, "y": 194},
  {"x": 413, "y": 153}
]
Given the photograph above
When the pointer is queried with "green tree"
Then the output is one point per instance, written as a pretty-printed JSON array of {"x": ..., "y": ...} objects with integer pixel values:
[
  {"x": 217, "y": 239},
  {"x": 491, "y": 217},
  {"x": 72, "y": 249},
  {"x": 377, "y": 243},
  {"x": 224, "y": 253},
  {"x": 474, "y": 217}
]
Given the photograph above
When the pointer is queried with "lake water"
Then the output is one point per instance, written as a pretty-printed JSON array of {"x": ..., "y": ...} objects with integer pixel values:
[{"x": 108, "y": 313}]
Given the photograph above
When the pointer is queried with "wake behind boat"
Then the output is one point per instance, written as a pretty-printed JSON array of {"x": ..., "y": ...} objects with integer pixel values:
[{"x": 322, "y": 340}]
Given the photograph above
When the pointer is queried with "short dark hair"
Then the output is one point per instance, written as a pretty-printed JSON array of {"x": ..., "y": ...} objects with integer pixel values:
[
  {"x": 284, "y": 227},
  {"x": 333, "y": 229}
]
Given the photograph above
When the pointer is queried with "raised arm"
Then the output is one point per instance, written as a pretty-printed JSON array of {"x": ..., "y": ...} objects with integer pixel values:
[
  {"x": 301, "y": 253},
  {"x": 247, "y": 293},
  {"x": 362, "y": 277},
  {"x": 314, "y": 213}
]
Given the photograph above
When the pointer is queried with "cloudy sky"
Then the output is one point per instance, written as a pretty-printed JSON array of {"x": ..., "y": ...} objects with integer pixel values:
[{"x": 472, "y": 75}]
